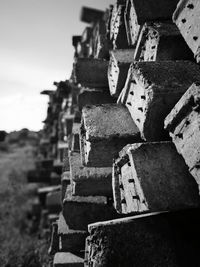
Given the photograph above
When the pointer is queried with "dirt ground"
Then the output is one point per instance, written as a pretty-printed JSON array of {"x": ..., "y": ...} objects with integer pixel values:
[{"x": 21, "y": 244}]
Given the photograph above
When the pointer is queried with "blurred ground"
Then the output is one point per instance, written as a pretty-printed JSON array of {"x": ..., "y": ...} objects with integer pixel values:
[{"x": 21, "y": 244}]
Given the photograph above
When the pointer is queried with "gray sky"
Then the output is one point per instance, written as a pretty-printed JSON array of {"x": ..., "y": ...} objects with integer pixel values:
[{"x": 35, "y": 51}]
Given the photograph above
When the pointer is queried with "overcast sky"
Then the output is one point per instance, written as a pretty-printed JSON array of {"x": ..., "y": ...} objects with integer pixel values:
[{"x": 35, "y": 51}]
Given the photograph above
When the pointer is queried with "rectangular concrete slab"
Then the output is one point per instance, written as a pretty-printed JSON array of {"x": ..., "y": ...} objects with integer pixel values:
[
  {"x": 151, "y": 177},
  {"x": 161, "y": 41},
  {"x": 151, "y": 91},
  {"x": 159, "y": 239},
  {"x": 67, "y": 259},
  {"x": 89, "y": 181},
  {"x": 105, "y": 130},
  {"x": 187, "y": 18},
  {"x": 183, "y": 124}
]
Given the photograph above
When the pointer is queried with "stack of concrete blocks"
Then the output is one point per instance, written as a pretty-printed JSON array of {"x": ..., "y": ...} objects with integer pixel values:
[{"x": 132, "y": 69}]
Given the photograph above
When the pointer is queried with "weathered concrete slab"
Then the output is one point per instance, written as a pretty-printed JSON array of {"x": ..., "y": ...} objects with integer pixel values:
[
  {"x": 67, "y": 259},
  {"x": 148, "y": 177},
  {"x": 43, "y": 191},
  {"x": 88, "y": 181},
  {"x": 161, "y": 41},
  {"x": 105, "y": 130},
  {"x": 151, "y": 91},
  {"x": 90, "y": 96},
  {"x": 91, "y": 72},
  {"x": 54, "y": 241},
  {"x": 70, "y": 240},
  {"x": 119, "y": 64},
  {"x": 65, "y": 181},
  {"x": 118, "y": 35},
  {"x": 90, "y": 15},
  {"x": 183, "y": 123},
  {"x": 165, "y": 239},
  {"x": 53, "y": 202},
  {"x": 187, "y": 18},
  {"x": 140, "y": 11},
  {"x": 80, "y": 211}
]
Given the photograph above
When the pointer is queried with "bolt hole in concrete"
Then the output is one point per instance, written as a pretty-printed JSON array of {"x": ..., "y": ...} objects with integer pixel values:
[
  {"x": 184, "y": 20},
  {"x": 195, "y": 38},
  {"x": 190, "y": 6}
]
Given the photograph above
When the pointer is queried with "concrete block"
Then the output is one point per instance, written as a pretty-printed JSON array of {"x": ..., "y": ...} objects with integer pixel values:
[
  {"x": 161, "y": 41},
  {"x": 54, "y": 240},
  {"x": 119, "y": 64},
  {"x": 187, "y": 18},
  {"x": 43, "y": 191},
  {"x": 44, "y": 164},
  {"x": 118, "y": 35},
  {"x": 90, "y": 96},
  {"x": 67, "y": 259},
  {"x": 80, "y": 211},
  {"x": 89, "y": 181},
  {"x": 75, "y": 137},
  {"x": 151, "y": 91},
  {"x": 91, "y": 72},
  {"x": 158, "y": 239},
  {"x": 53, "y": 201},
  {"x": 90, "y": 15},
  {"x": 148, "y": 177},
  {"x": 183, "y": 123},
  {"x": 70, "y": 240},
  {"x": 65, "y": 181},
  {"x": 55, "y": 178},
  {"x": 138, "y": 12},
  {"x": 105, "y": 130},
  {"x": 66, "y": 166}
]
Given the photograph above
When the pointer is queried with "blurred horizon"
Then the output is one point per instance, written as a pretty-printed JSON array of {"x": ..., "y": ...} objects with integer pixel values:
[{"x": 36, "y": 50}]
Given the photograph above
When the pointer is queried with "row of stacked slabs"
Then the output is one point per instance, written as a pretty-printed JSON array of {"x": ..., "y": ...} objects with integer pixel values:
[{"x": 120, "y": 145}]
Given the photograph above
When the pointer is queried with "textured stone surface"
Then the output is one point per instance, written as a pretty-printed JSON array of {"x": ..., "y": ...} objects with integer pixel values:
[
  {"x": 70, "y": 240},
  {"x": 67, "y": 259},
  {"x": 151, "y": 177},
  {"x": 151, "y": 91},
  {"x": 75, "y": 137},
  {"x": 80, "y": 211},
  {"x": 166, "y": 239},
  {"x": 187, "y": 18},
  {"x": 88, "y": 181},
  {"x": 118, "y": 35},
  {"x": 161, "y": 41},
  {"x": 90, "y": 72},
  {"x": 140, "y": 11},
  {"x": 90, "y": 96},
  {"x": 183, "y": 123},
  {"x": 65, "y": 181},
  {"x": 105, "y": 130},
  {"x": 119, "y": 64}
]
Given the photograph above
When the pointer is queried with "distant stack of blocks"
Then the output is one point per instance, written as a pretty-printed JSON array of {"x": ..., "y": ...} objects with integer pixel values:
[{"x": 120, "y": 148}]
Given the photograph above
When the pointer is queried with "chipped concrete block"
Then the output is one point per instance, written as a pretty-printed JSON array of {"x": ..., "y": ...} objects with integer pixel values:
[
  {"x": 90, "y": 96},
  {"x": 70, "y": 240},
  {"x": 88, "y": 181},
  {"x": 158, "y": 239},
  {"x": 54, "y": 240},
  {"x": 67, "y": 259},
  {"x": 105, "y": 130},
  {"x": 151, "y": 91},
  {"x": 118, "y": 35},
  {"x": 91, "y": 72},
  {"x": 65, "y": 181},
  {"x": 119, "y": 64},
  {"x": 161, "y": 41},
  {"x": 183, "y": 124},
  {"x": 138, "y": 12},
  {"x": 80, "y": 211},
  {"x": 187, "y": 18},
  {"x": 148, "y": 177}
]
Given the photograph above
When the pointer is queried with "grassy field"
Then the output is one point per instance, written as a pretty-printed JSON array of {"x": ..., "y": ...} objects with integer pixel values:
[{"x": 21, "y": 244}]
